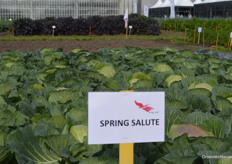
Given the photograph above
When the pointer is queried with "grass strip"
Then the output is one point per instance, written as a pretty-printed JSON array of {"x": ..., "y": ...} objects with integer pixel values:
[{"x": 165, "y": 37}]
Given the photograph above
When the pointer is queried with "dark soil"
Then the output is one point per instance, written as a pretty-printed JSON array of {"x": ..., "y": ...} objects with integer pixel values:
[{"x": 92, "y": 45}]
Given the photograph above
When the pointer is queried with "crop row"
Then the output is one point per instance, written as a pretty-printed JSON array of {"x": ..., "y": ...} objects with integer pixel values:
[
  {"x": 216, "y": 31},
  {"x": 97, "y": 25}
]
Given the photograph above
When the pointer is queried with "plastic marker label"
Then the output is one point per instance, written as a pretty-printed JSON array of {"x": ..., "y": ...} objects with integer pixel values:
[{"x": 200, "y": 29}]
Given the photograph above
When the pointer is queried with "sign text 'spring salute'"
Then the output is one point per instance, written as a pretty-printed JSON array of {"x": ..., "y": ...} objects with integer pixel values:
[{"x": 133, "y": 122}]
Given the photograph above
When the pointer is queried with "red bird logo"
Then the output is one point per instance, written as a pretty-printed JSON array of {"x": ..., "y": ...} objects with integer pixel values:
[{"x": 144, "y": 107}]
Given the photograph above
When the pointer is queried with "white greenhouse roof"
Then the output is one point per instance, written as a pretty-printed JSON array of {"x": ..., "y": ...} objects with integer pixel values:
[
  {"x": 166, "y": 3},
  {"x": 157, "y": 4},
  {"x": 184, "y": 3},
  {"x": 213, "y": 1},
  {"x": 197, "y": 2}
]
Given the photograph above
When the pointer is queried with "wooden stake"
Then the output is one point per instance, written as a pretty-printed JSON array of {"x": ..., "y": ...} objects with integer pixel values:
[
  {"x": 127, "y": 28},
  {"x": 170, "y": 27},
  {"x": 185, "y": 34},
  {"x": 126, "y": 151},
  {"x": 90, "y": 30},
  {"x": 228, "y": 43},
  {"x": 194, "y": 37},
  {"x": 175, "y": 27},
  {"x": 217, "y": 39},
  {"x": 204, "y": 36},
  {"x": 12, "y": 30}
]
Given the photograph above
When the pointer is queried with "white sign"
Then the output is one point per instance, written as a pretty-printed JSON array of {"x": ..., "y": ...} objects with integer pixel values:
[
  {"x": 146, "y": 11},
  {"x": 130, "y": 27},
  {"x": 126, "y": 117},
  {"x": 53, "y": 26},
  {"x": 199, "y": 29},
  {"x": 135, "y": 8},
  {"x": 231, "y": 35}
]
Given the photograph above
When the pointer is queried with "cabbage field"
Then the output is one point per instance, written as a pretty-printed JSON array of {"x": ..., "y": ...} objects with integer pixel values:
[{"x": 43, "y": 104}]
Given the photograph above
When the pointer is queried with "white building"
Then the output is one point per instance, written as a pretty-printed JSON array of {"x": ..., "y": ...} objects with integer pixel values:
[
  {"x": 213, "y": 9},
  {"x": 37, "y": 9},
  {"x": 162, "y": 8}
]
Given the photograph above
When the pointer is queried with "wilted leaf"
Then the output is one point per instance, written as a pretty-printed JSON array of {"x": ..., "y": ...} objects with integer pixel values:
[
  {"x": 213, "y": 124},
  {"x": 191, "y": 129}
]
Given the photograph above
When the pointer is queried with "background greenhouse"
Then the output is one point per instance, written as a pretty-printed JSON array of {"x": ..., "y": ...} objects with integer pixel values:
[{"x": 39, "y": 9}]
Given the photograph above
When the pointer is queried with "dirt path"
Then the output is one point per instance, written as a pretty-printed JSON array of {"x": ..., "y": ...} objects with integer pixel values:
[{"x": 92, "y": 45}]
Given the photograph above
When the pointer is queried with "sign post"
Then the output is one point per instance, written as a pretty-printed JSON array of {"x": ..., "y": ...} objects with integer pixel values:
[
  {"x": 53, "y": 28},
  {"x": 12, "y": 29},
  {"x": 126, "y": 118},
  {"x": 126, "y": 151},
  {"x": 199, "y": 34},
  {"x": 130, "y": 27}
]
